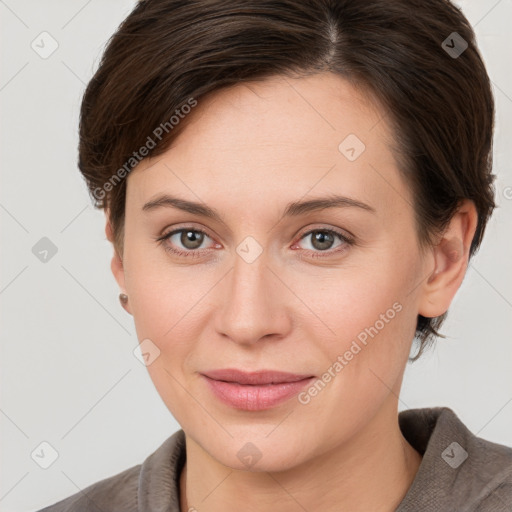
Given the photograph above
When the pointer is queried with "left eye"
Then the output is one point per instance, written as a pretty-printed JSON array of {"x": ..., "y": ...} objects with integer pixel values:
[{"x": 323, "y": 239}]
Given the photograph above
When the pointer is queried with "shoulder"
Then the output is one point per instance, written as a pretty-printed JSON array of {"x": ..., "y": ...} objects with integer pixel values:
[
  {"x": 119, "y": 490},
  {"x": 459, "y": 469},
  {"x": 152, "y": 485},
  {"x": 489, "y": 473}
]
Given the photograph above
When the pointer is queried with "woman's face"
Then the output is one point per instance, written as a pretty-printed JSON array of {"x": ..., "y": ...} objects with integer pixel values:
[{"x": 272, "y": 286}]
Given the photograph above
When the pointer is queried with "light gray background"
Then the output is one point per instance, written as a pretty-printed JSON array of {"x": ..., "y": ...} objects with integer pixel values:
[{"x": 69, "y": 376}]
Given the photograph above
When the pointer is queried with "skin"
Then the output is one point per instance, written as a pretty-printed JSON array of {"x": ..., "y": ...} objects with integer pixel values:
[{"x": 248, "y": 151}]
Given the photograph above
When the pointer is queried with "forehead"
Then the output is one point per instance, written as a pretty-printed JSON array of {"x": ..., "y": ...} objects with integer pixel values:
[{"x": 279, "y": 136}]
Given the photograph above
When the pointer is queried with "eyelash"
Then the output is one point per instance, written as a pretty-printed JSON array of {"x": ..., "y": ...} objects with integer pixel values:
[{"x": 348, "y": 241}]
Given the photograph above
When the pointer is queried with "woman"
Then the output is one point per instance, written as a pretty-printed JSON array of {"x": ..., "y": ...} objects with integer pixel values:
[{"x": 293, "y": 190}]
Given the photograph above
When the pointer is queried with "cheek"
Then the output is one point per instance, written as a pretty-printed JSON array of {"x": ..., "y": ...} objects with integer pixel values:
[
  {"x": 165, "y": 306},
  {"x": 368, "y": 315}
]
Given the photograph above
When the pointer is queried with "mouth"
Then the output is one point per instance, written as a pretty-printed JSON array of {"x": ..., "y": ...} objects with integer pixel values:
[{"x": 256, "y": 391}]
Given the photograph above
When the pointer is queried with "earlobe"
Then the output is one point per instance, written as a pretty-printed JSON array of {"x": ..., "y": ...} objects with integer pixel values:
[{"x": 451, "y": 256}]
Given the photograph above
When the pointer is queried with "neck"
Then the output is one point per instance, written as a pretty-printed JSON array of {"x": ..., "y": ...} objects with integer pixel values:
[{"x": 372, "y": 471}]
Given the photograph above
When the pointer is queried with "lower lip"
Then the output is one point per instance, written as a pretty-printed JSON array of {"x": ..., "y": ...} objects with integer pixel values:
[{"x": 255, "y": 398}]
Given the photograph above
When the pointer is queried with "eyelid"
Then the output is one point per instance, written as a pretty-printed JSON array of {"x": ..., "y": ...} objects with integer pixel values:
[
  {"x": 347, "y": 235},
  {"x": 184, "y": 227}
]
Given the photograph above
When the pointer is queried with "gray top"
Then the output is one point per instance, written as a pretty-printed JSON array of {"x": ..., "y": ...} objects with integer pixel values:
[{"x": 459, "y": 473}]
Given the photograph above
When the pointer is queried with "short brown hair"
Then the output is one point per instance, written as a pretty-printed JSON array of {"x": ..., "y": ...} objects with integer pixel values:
[{"x": 440, "y": 105}]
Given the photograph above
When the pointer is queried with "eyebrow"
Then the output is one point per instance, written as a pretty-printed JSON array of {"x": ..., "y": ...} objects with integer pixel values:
[{"x": 293, "y": 209}]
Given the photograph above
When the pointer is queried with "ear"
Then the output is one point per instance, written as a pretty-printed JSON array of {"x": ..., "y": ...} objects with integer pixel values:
[
  {"x": 116, "y": 264},
  {"x": 451, "y": 256}
]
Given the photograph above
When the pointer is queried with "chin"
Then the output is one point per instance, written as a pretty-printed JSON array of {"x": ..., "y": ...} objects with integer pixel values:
[{"x": 256, "y": 453}]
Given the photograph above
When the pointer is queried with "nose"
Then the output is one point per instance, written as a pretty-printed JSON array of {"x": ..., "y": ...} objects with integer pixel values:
[{"x": 255, "y": 303}]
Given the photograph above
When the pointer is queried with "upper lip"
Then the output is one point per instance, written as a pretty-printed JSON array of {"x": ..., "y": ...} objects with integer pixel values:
[{"x": 254, "y": 378}]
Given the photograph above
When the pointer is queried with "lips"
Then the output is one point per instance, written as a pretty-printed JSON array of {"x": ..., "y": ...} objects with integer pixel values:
[
  {"x": 258, "y": 378},
  {"x": 254, "y": 391}
]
